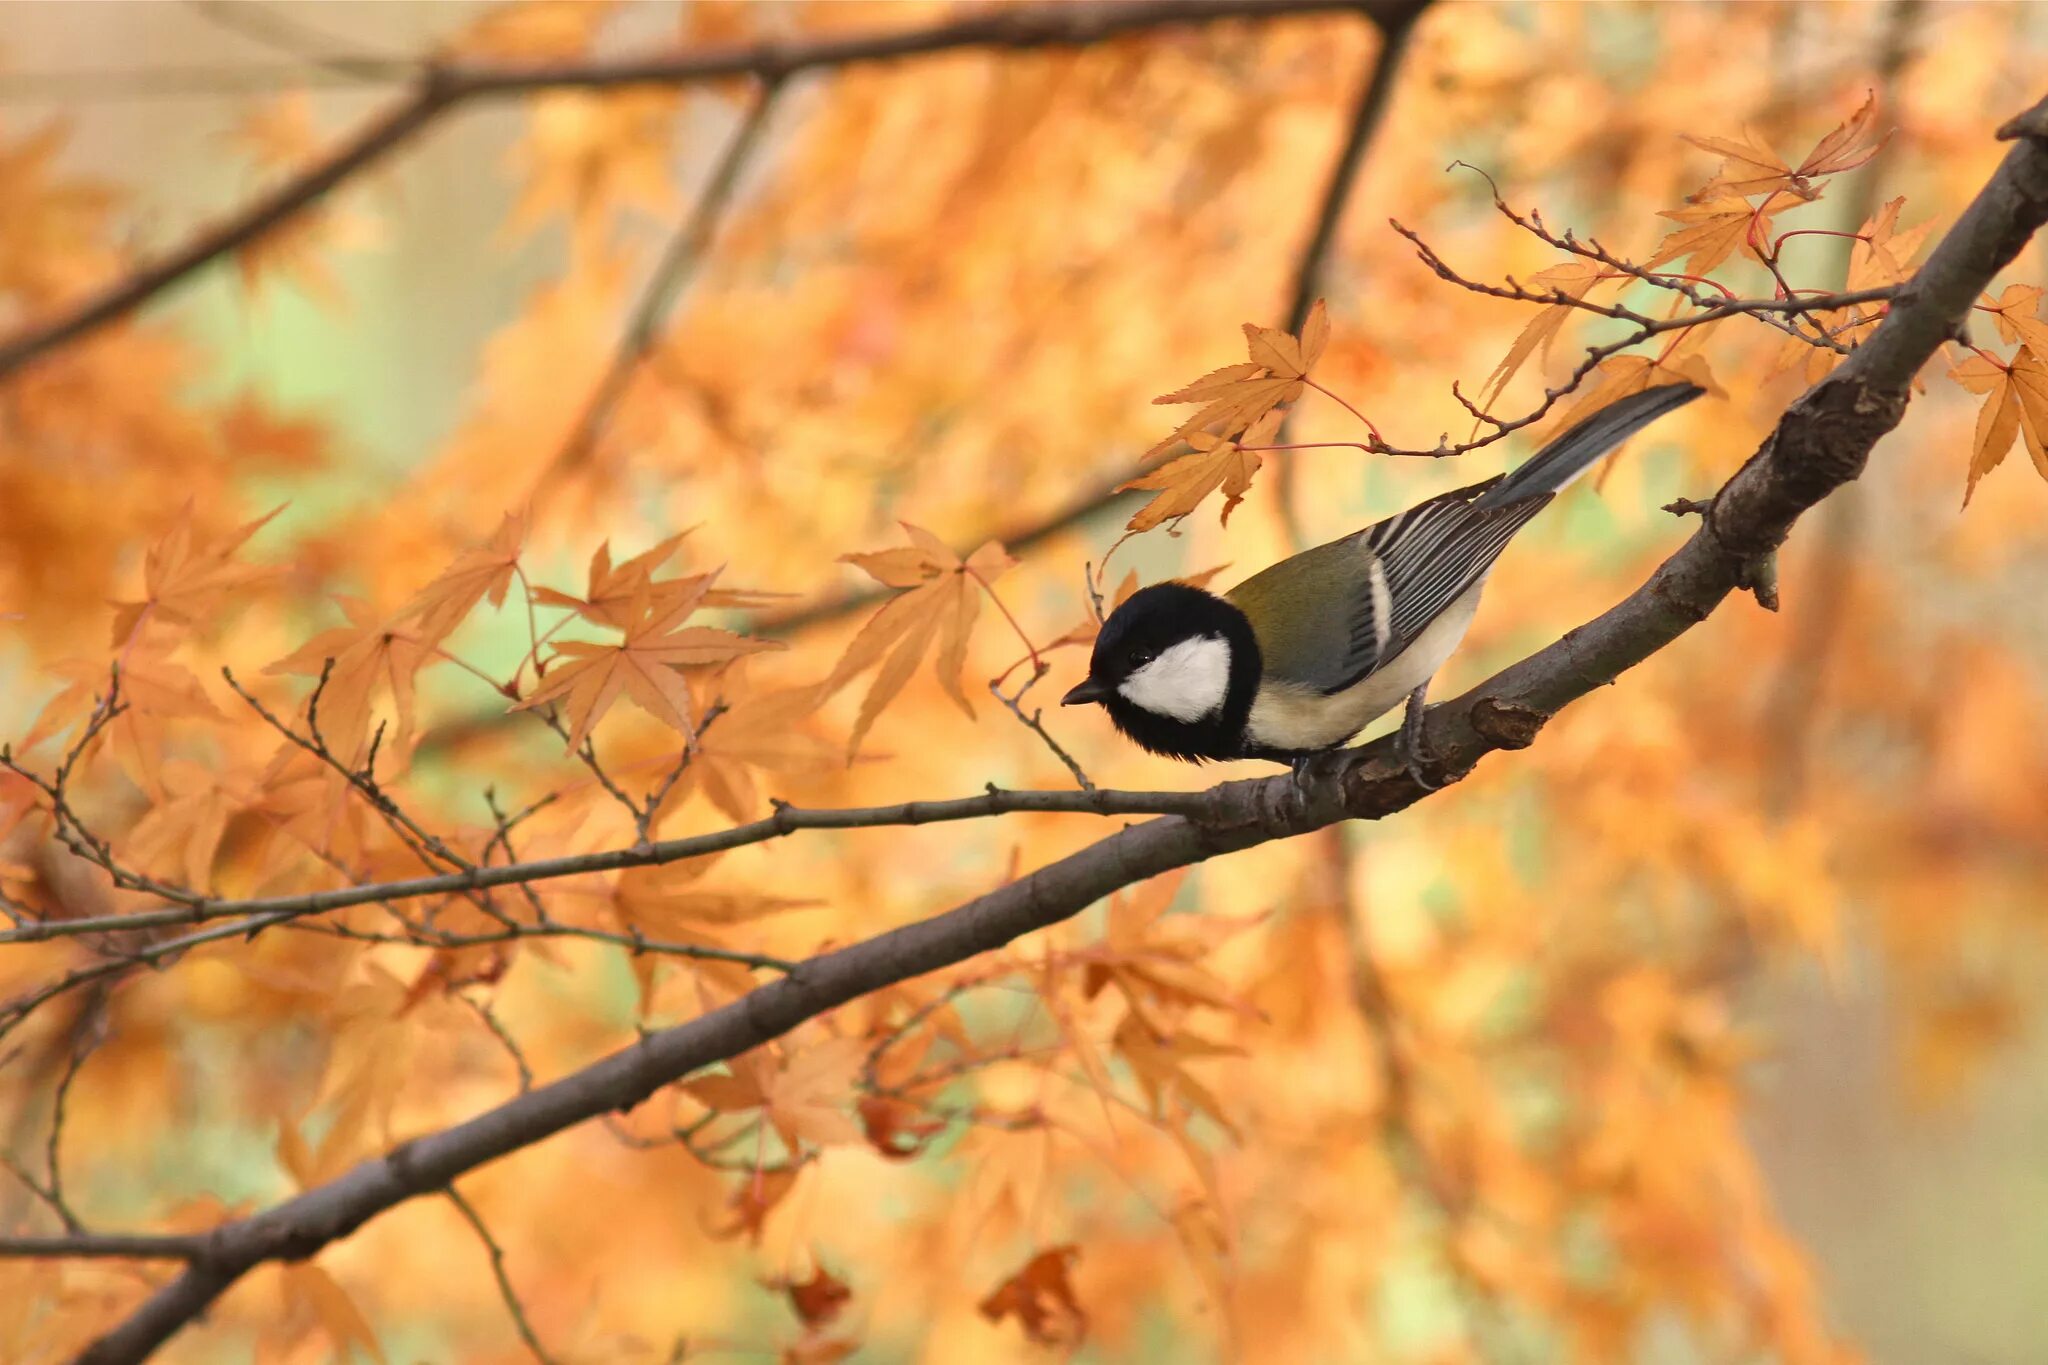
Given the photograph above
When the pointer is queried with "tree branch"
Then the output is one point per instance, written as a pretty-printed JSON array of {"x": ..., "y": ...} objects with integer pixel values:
[
  {"x": 1366, "y": 120},
  {"x": 786, "y": 820},
  {"x": 1822, "y": 442},
  {"x": 443, "y": 88}
]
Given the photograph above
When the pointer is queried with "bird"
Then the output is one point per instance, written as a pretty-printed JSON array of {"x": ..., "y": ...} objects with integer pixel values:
[{"x": 1292, "y": 663}]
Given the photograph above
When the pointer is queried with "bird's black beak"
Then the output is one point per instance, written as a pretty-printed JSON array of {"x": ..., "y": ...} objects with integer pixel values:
[{"x": 1089, "y": 691}]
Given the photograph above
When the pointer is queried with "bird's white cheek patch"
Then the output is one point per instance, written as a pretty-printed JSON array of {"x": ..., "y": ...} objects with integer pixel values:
[{"x": 1185, "y": 683}]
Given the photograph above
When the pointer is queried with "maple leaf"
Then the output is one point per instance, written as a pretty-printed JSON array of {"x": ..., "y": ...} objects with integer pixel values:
[
  {"x": 2015, "y": 403},
  {"x": 1041, "y": 1297},
  {"x": 802, "y": 1094},
  {"x": 897, "y": 1129},
  {"x": 182, "y": 831},
  {"x": 1752, "y": 168},
  {"x": 1572, "y": 279},
  {"x": 818, "y": 1300},
  {"x": 1157, "y": 1059},
  {"x": 647, "y": 667},
  {"x": 154, "y": 690},
  {"x": 533, "y": 31},
  {"x": 1214, "y": 463},
  {"x": 586, "y": 151},
  {"x": 1619, "y": 376},
  {"x": 665, "y": 903},
  {"x": 278, "y": 133},
  {"x": 484, "y": 571},
  {"x": 368, "y": 654},
  {"x": 1711, "y": 231},
  {"x": 941, "y": 601},
  {"x": 2018, "y": 314},
  {"x": 311, "y": 1291},
  {"x": 1882, "y": 254},
  {"x": 1152, "y": 957},
  {"x": 612, "y": 589},
  {"x": 753, "y": 1200},
  {"x": 760, "y": 732},
  {"x": 186, "y": 579},
  {"x": 1237, "y": 396}
]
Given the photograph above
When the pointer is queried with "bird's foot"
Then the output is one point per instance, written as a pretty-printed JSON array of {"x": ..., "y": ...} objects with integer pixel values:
[
  {"x": 1413, "y": 748},
  {"x": 1313, "y": 769}
]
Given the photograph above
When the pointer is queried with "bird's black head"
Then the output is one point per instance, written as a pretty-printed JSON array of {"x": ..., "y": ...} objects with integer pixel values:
[{"x": 1176, "y": 668}]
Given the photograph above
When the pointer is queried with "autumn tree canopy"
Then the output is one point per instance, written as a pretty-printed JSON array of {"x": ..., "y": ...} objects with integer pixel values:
[{"x": 532, "y": 825}]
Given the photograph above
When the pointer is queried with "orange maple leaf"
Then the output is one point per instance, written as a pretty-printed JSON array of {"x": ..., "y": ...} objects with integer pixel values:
[
  {"x": 1237, "y": 396},
  {"x": 2018, "y": 314},
  {"x": 483, "y": 571},
  {"x": 2015, "y": 403},
  {"x": 154, "y": 690},
  {"x": 1711, "y": 231},
  {"x": 367, "y": 654},
  {"x": 1156, "y": 958},
  {"x": 1750, "y": 167},
  {"x": 1215, "y": 463},
  {"x": 611, "y": 589},
  {"x": 666, "y": 903},
  {"x": 1041, "y": 1298},
  {"x": 943, "y": 598},
  {"x": 761, "y": 731},
  {"x": 802, "y": 1094},
  {"x": 647, "y": 666},
  {"x": 1572, "y": 279},
  {"x": 185, "y": 579}
]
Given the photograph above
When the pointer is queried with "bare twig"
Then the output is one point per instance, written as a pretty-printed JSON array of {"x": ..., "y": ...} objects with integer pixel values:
[
  {"x": 672, "y": 274},
  {"x": 513, "y": 1306},
  {"x": 1013, "y": 702}
]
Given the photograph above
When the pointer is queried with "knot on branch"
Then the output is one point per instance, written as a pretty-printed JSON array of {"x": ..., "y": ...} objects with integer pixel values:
[{"x": 1507, "y": 724}]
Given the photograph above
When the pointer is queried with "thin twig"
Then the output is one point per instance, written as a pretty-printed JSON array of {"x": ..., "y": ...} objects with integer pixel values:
[
  {"x": 1368, "y": 116},
  {"x": 672, "y": 274},
  {"x": 505, "y": 1289}
]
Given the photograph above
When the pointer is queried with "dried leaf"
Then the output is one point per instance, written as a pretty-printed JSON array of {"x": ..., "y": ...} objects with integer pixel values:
[
  {"x": 942, "y": 597},
  {"x": 1214, "y": 464},
  {"x": 1237, "y": 396},
  {"x": 186, "y": 580},
  {"x": 647, "y": 667},
  {"x": 2015, "y": 402},
  {"x": 1041, "y": 1297}
]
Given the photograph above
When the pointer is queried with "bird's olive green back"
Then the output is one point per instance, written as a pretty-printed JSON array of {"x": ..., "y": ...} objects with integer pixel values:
[{"x": 1312, "y": 614}]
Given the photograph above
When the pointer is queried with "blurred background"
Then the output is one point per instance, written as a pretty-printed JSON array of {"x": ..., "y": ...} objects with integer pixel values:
[{"x": 1705, "y": 1030}]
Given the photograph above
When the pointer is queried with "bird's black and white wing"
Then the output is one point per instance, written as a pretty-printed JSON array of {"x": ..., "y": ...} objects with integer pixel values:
[
  {"x": 1329, "y": 617},
  {"x": 1374, "y": 591}
]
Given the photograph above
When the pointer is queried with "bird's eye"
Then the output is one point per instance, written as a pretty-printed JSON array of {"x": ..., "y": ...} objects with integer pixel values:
[{"x": 1143, "y": 657}]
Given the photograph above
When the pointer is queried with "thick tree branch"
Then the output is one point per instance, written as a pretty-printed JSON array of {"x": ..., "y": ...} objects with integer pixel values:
[
  {"x": 1821, "y": 443},
  {"x": 443, "y": 88}
]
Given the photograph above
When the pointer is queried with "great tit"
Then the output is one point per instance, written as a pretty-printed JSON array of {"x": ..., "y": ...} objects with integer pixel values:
[{"x": 1297, "y": 659}]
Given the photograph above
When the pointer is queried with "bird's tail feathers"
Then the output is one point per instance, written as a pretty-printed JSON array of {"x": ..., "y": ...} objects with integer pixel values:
[{"x": 1574, "y": 451}]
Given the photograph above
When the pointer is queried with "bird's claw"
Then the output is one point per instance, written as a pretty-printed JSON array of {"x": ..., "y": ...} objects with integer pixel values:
[
  {"x": 1412, "y": 746},
  {"x": 1312, "y": 769}
]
